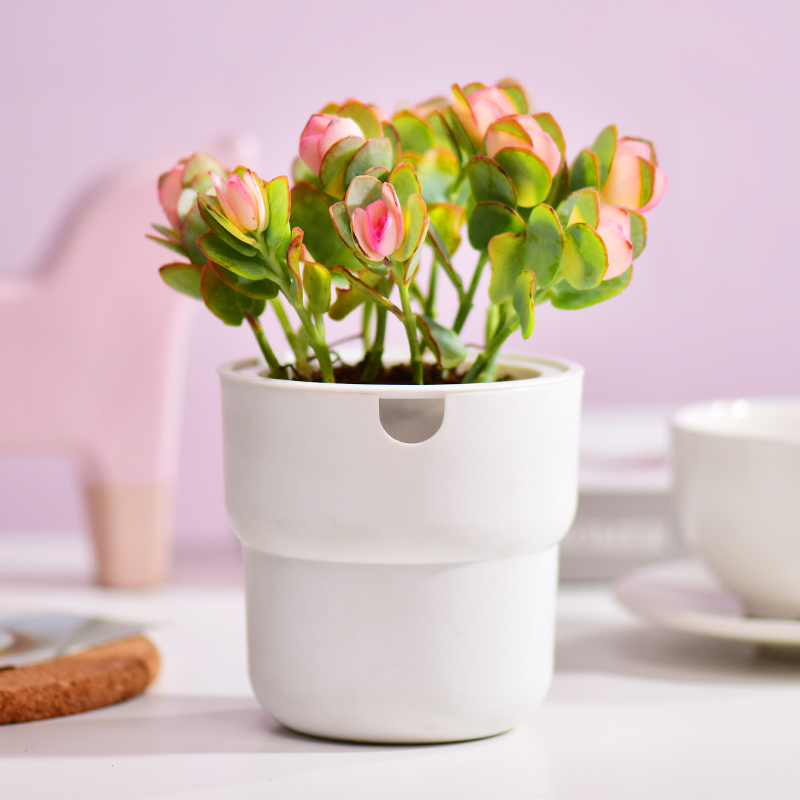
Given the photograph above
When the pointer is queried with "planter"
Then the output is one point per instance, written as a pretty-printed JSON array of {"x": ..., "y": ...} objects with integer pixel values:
[{"x": 401, "y": 546}]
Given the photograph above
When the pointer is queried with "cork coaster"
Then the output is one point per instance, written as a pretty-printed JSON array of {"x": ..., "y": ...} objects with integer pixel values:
[{"x": 90, "y": 679}]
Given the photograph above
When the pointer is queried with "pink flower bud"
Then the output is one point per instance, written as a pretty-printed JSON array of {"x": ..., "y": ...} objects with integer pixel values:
[
  {"x": 242, "y": 200},
  {"x": 529, "y": 136},
  {"x": 614, "y": 228},
  {"x": 170, "y": 186},
  {"x": 623, "y": 185},
  {"x": 378, "y": 229},
  {"x": 481, "y": 109},
  {"x": 320, "y": 134}
]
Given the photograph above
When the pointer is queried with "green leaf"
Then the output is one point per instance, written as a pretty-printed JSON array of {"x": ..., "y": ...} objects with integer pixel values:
[
  {"x": 317, "y": 286},
  {"x": 544, "y": 245},
  {"x": 390, "y": 132},
  {"x": 301, "y": 173},
  {"x": 220, "y": 252},
  {"x": 516, "y": 94},
  {"x": 374, "y": 153},
  {"x": 489, "y": 182},
  {"x": 414, "y": 214},
  {"x": 220, "y": 299},
  {"x": 293, "y": 254},
  {"x": 445, "y": 345},
  {"x": 224, "y": 228},
  {"x": 584, "y": 171},
  {"x": 507, "y": 257},
  {"x": 167, "y": 233},
  {"x": 489, "y": 219},
  {"x": 559, "y": 188},
  {"x": 194, "y": 226},
  {"x": 405, "y": 182},
  {"x": 364, "y": 117},
  {"x": 347, "y": 301},
  {"x": 415, "y": 135},
  {"x": 528, "y": 173},
  {"x": 280, "y": 209},
  {"x": 183, "y": 278},
  {"x": 443, "y": 136},
  {"x": 447, "y": 219},
  {"x": 523, "y": 301},
  {"x": 264, "y": 289},
  {"x": 648, "y": 173},
  {"x": 334, "y": 165},
  {"x": 170, "y": 244},
  {"x": 413, "y": 263},
  {"x": 564, "y": 296},
  {"x": 549, "y": 125},
  {"x": 363, "y": 191},
  {"x": 586, "y": 208},
  {"x": 585, "y": 259},
  {"x": 638, "y": 232},
  {"x": 457, "y": 131},
  {"x": 367, "y": 292},
  {"x": 604, "y": 147},
  {"x": 437, "y": 170},
  {"x": 310, "y": 212}
]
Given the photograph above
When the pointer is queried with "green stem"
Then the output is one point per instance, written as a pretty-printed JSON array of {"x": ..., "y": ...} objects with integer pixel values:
[
  {"x": 299, "y": 351},
  {"x": 375, "y": 357},
  {"x": 488, "y": 355},
  {"x": 430, "y": 302},
  {"x": 466, "y": 304},
  {"x": 366, "y": 317},
  {"x": 270, "y": 357},
  {"x": 318, "y": 345},
  {"x": 410, "y": 322},
  {"x": 319, "y": 319}
]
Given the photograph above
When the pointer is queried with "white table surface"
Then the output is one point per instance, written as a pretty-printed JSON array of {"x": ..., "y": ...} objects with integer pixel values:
[{"x": 634, "y": 712}]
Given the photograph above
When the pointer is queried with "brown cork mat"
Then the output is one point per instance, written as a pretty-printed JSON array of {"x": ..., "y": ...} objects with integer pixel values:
[{"x": 90, "y": 679}]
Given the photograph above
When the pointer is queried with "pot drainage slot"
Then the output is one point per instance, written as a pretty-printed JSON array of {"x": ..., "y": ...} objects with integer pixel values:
[{"x": 411, "y": 421}]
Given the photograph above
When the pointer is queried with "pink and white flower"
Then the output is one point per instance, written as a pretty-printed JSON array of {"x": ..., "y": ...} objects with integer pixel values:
[
  {"x": 614, "y": 228},
  {"x": 528, "y": 135},
  {"x": 481, "y": 109},
  {"x": 379, "y": 228},
  {"x": 320, "y": 134},
  {"x": 623, "y": 186},
  {"x": 242, "y": 200}
]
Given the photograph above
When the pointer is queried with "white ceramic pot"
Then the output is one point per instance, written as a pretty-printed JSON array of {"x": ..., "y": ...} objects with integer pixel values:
[
  {"x": 401, "y": 546},
  {"x": 737, "y": 489}
]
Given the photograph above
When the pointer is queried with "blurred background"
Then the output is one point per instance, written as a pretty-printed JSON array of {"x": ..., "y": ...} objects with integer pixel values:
[{"x": 90, "y": 88}]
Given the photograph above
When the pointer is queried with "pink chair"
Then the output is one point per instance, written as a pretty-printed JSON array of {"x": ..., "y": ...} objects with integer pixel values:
[{"x": 92, "y": 361}]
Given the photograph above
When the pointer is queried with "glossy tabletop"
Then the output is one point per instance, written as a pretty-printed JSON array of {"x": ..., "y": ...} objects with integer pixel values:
[{"x": 634, "y": 712}]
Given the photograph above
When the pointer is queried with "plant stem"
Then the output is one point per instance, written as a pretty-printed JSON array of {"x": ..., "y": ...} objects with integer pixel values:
[
  {"x": 299, "y": 351},
  {"x": 430, "y": 302},
  {"x": 365, "y": 320},
  {"x": 272, "y": 361},
  {"x": 488, "y": 355},
  {"x": 466, "y": 304},
  {"x": 410, "y": 321},
  {"x": 375, "y": 357},
  {"x": 318, "y": 345}
]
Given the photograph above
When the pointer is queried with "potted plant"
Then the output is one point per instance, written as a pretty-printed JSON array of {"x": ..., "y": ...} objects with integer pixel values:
[{"x": 401, "y": 513}]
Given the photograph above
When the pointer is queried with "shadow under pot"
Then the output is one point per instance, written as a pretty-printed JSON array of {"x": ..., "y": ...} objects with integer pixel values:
[{"x": 401, "y": 546}]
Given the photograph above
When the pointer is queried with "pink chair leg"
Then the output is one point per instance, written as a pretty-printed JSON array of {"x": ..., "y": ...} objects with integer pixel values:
[{"x": 131, "y": 530}]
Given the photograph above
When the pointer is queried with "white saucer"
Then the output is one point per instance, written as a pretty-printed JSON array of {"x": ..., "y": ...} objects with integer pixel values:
[{"x": 683, "y": 596}]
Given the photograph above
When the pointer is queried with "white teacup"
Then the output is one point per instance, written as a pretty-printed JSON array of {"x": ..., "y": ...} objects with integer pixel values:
[{"x": 737, "y": 490}]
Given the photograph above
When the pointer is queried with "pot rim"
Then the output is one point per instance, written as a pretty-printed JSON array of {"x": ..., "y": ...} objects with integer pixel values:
[
  {"x": 556, "y": 370},
  {"x": 737, "y": 419}
]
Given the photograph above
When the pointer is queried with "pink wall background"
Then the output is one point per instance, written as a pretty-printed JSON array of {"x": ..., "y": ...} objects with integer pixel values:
[{"x": 89, "y": 86}]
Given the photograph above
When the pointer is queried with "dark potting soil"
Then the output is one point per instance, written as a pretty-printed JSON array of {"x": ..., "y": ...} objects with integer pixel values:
[{"x": 399, "y": 374}]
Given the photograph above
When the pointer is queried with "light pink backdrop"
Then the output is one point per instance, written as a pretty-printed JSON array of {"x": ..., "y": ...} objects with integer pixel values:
[{"x": 87, "y": 86}]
